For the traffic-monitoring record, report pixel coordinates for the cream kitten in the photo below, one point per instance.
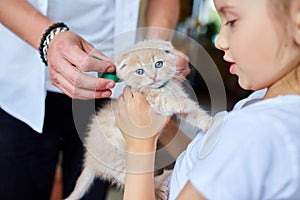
(149, 67)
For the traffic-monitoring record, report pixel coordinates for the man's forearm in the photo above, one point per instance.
(162, 14)
(24, 20)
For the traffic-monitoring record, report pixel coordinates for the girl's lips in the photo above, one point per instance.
(232, 65)
(232, 68)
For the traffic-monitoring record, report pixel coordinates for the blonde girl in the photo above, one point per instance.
(256, 153)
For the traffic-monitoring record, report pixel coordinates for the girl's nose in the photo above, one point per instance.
(221, 42)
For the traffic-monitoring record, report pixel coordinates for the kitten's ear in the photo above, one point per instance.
(171, 54)
(121, 62)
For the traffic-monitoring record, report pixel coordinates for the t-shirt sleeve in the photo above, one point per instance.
(240, 164)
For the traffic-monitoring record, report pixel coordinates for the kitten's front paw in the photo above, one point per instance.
(162, 111)
(162, 193)
(206, 124)
(161, 185)
(178, 105)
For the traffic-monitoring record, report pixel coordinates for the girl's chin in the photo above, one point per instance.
(232, 68)
(247, 86)
(243, 85)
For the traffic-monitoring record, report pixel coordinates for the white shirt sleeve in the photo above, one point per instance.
(249, 158)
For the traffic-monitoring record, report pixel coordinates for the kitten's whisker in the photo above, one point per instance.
(179, 77)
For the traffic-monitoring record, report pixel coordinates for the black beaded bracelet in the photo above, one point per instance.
(49, 34)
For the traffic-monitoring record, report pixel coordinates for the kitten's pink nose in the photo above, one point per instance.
(154, 78)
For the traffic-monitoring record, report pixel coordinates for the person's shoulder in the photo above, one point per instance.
(254, 146)
(247, 127)
(283, 110)
(274, 121)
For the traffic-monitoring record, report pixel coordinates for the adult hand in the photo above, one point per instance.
(136, 119)
(69, 57)
(182, 64)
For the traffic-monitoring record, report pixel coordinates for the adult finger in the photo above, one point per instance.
(84, 62)
(80, 85)
(82, 80)
(182, 63)
(78, 93)
(92, 51)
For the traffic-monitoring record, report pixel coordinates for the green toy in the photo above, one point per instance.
(111, 76)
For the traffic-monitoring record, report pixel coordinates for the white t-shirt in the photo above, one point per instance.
(23, 77)
(250, 153)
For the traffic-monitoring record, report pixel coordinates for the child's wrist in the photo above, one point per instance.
(141, 162)
(141, 145)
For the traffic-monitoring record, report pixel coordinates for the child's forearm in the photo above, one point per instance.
(139, 182)
(139, 186)
(24, 20)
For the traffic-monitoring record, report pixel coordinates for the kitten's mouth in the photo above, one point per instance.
(158, 84)
(153, 84)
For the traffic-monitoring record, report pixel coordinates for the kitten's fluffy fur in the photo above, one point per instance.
(149, 67)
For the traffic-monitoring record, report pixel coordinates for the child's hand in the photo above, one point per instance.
(138, 123)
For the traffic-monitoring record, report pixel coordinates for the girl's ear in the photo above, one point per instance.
(297, 36)
(296, 19)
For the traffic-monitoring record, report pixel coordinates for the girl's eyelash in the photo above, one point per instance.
(230, 23)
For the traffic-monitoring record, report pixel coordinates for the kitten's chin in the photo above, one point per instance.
(157, 85)
(152, 85)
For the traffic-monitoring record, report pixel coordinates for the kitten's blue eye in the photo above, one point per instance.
(139, 71)
(159, 64)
